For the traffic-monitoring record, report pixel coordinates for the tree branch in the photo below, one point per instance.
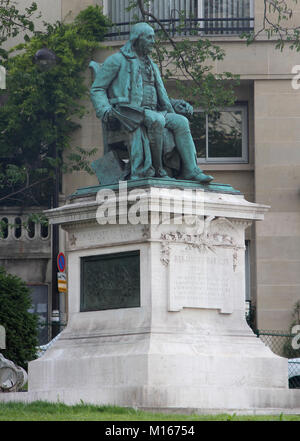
(273, 26)
(25, 188)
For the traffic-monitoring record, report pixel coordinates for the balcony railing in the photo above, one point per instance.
(186, 17)
(190, 27)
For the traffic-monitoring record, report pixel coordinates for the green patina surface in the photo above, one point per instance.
(129, 97)
(157, 182)
(141, 124)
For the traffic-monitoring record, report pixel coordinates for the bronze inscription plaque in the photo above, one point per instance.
(110, 281)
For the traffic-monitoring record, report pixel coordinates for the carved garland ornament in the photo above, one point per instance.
(205, 238)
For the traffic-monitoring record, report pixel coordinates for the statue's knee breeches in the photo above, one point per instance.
(178, 124)
(154, 121)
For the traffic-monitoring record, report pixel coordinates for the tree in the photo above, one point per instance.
(37, 121)
(20, 325)
(12, 21)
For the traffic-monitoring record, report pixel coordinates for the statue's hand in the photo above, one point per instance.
(108, 116)
(182, 107)
(188, 109)
(110, 120)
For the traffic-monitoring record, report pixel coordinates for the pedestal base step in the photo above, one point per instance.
(209, 401)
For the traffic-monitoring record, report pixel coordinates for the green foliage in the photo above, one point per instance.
(37, 121)
(191, 60)
(277, 24)
(12, 21)
(92, 24)
(20, 325)
(43, 411)
(79, 159)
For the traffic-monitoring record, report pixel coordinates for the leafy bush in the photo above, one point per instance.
(20, 325)
(92, 23)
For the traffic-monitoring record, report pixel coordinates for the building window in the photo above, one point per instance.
(249, 306)
(221, 137)
(39, 298)
(227, 17)
(247, 272)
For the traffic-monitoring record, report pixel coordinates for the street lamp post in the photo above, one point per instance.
(46, 59)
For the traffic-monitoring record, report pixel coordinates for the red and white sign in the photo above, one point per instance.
(61, 262)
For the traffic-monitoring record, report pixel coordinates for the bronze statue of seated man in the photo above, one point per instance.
(128, 88)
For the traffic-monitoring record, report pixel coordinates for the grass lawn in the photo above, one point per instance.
(42, 411)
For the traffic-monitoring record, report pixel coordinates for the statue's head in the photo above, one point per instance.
(142, 38)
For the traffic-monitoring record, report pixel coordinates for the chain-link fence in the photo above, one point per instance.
(286, 345)
(52, 330)
(47, 331)
(282, 343)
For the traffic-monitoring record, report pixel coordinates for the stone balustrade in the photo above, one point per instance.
(20, 236)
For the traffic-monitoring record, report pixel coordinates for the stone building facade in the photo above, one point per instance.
(265, 166)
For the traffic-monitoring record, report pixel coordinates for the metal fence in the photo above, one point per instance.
(284, 343)
(47, 331)
(280, 342)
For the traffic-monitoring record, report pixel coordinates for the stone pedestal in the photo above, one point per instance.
(181, 339)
